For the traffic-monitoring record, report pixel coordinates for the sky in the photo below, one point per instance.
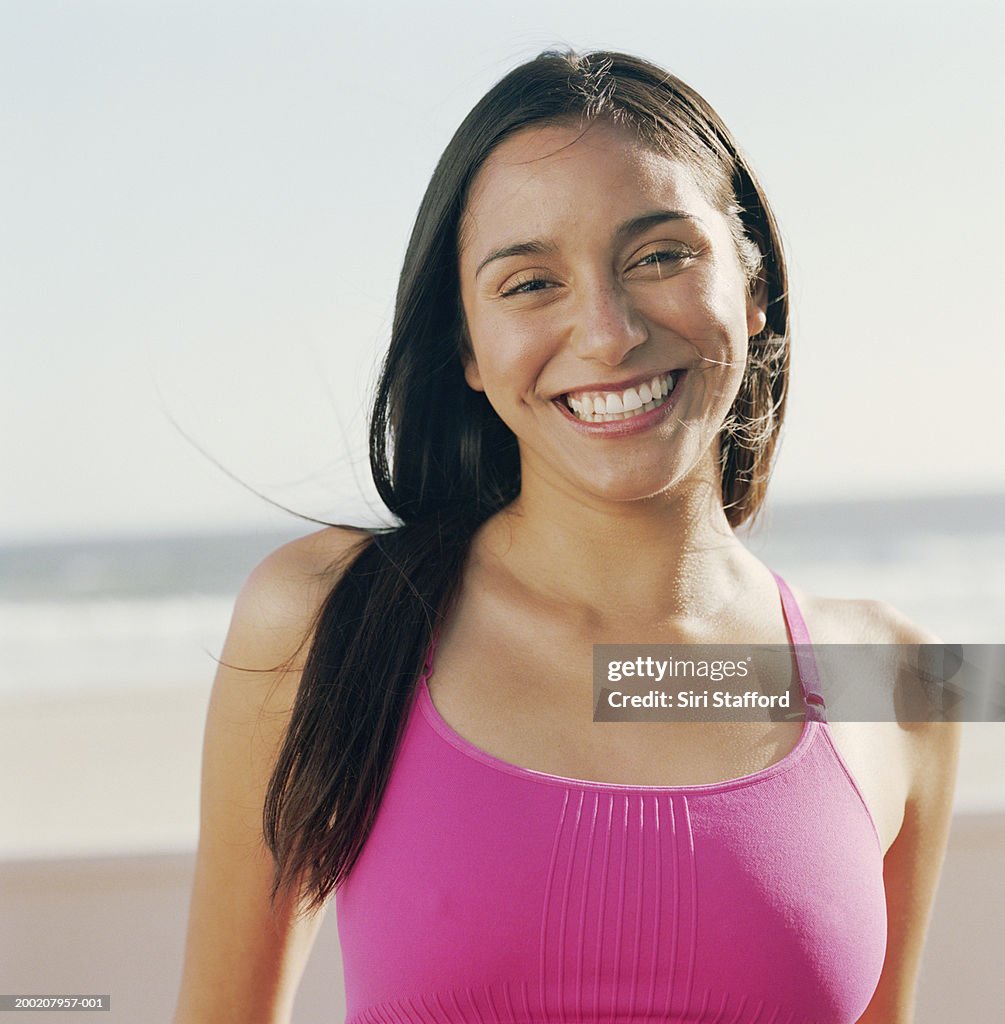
(204, 208)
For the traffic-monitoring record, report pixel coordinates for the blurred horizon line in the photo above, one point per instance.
(928, 510)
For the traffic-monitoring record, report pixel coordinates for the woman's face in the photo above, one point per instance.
(607, 310)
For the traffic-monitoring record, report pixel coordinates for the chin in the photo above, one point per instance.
(622, 489)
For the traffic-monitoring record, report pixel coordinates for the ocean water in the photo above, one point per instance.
(121, 615)
(939, 560)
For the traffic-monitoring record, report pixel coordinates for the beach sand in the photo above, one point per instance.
(98, 774)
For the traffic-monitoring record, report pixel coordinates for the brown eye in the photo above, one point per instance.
(525, 287)
(665, 257)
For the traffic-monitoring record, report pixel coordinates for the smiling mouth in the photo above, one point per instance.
(608, 406)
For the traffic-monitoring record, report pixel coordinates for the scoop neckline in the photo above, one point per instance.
(448, 733)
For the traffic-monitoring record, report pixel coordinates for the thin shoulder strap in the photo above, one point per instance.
(806, 662)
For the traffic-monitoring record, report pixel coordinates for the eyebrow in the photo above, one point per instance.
(628, 229)
(531, 248)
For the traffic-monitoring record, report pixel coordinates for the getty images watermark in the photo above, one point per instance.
(754, 682)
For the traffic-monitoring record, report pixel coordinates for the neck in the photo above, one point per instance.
(669, 558)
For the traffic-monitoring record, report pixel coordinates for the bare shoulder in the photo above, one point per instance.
(283, 593)
(866, 622)
(930, 747)
(834, 620)
(271, 628)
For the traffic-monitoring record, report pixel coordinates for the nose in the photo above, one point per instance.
(608, 325)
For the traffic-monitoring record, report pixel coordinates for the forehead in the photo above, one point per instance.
(551, 177)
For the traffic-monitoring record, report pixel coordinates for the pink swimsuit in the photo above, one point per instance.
(489, 893)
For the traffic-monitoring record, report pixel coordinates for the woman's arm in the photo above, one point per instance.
(244, 958)
(914, 861)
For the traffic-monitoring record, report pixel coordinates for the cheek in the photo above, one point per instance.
(709, 313)
(724, 295)
(508, 356)
(710, 316)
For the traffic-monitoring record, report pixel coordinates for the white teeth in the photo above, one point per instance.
(609, 406)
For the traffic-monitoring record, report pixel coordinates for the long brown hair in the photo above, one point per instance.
(444, 462)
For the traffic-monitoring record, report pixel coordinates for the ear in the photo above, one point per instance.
(468, 361)
(471, 372)
(757, 306)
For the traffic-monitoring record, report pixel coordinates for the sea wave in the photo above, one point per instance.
(110, 644)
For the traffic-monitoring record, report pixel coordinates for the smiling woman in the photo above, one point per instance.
(603, 301)
(581, 400)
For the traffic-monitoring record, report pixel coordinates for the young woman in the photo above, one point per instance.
(581, 401)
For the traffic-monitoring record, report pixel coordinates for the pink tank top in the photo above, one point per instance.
(492, 893)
